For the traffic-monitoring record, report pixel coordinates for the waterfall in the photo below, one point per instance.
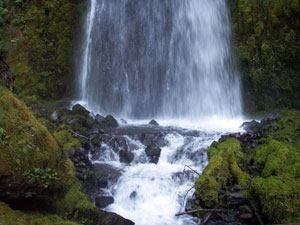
(158, 59)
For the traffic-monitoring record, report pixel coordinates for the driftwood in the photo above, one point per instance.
(256, 214)
(192, 170)
(201, 210)
(206, 218)
(79, 135)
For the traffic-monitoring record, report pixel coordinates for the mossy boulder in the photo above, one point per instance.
(32, 161)
(223, 168)
(108, 122)
(80, 110)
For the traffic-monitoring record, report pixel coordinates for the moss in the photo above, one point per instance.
(12, 217)
(108, 122)
(28, 151)
(278, 197)
(223, 168)
(66, 138)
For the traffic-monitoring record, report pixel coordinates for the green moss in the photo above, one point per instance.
(223, 168)
(66, 138)
(13, 217)
(28, 147)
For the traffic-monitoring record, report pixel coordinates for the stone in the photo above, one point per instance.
(6, 76)
(99, 118)
(133, 195)
(80, 110)
(153, 153)
(123, 121)
(103, 201)
(126, 156)
(108, 122)
(154, 123)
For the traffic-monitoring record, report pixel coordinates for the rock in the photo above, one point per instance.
(114, 219)
(153, 153)
(80, 110)
(6, 76)
(133, 195)
(123, 121)
(237, 198)
(104, 201)
(108, 122)
(54, 116)
(95, 141)
(126, 156)
(154, 123)
(99, 118)
(246, 216)
(298, 129)
(250, 127)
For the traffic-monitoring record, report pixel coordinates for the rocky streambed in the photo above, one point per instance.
(150, 172)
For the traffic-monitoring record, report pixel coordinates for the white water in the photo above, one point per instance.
(159, 59)
(169, 60)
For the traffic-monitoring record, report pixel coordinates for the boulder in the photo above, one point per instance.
(154, 123)
(99, 118)
(126, 156)
(153, 153)
(108, 122)
(80, 110)
(103, 201)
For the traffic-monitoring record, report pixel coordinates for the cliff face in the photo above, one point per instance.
(36, 39)
(267, 43)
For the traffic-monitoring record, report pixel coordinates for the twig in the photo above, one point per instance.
(255, 212)
(206, 218)
(192, 170)
(201, 210)
(79, 135)
(187, 193)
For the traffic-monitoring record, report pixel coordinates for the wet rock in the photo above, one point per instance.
(123, 121)
(114, 219)
(153, 153)
(154, 123)
(133, 195)
(251, 127)
(95, 141)
(99, 118)
(108, 122)
(126, 156)
(103, 201)
(80, 110)
(298, 129)
(237, 198)
(54, 116)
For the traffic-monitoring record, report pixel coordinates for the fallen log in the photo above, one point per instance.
(79, 135)
(201, 210)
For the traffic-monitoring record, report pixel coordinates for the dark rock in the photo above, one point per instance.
(123, 121)
(95, 141)
(237, 198)
(133, 195)
(154, 123)
(108, 122)
(153, 153)
(246, 216)
(6, 76)
(99, 118)
(114, 219)
(251, 127)
(298, 129)
(80, 110)
(103, 201)
(126, 156)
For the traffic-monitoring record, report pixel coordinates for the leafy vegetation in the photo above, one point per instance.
(267, 42)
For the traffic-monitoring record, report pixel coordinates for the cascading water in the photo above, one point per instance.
(168, 60)
(159, 59)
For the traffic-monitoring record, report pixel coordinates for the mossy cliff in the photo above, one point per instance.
(267, 42)
(37, 39)
(267, 172)
(37, 175)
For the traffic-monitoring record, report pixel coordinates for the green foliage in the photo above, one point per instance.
(39, 44)
(266, 39)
